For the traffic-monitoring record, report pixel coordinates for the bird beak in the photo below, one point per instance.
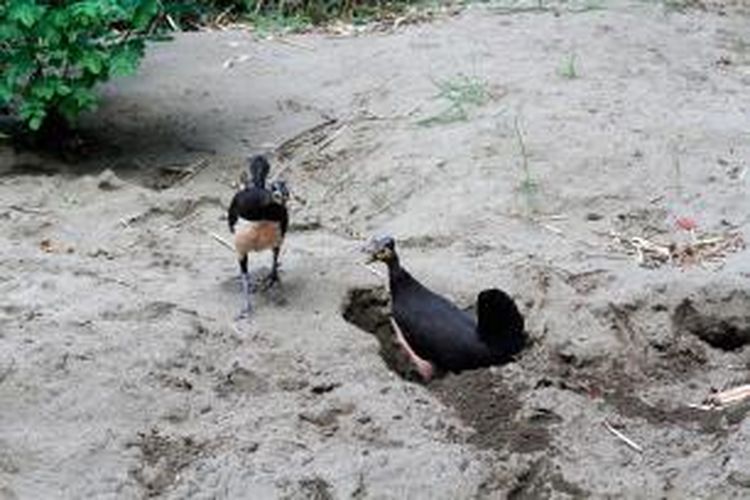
(369, 249)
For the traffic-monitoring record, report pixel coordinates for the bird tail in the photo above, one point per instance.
(500, 323)
(258, 170)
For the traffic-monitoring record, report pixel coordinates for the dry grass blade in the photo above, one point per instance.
(696, 251)
(220, 18)
(293, 43)
(315, 134)
(8, 370)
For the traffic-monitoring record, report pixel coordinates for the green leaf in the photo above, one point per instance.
(53, 52)
(124, 61)
(26, 12)
(43, 89)
(84, 11)
(6, 93)
(145, 12)
(33, 113)
(83, 97)
(92, 61)
(10, 31)
(36, 121)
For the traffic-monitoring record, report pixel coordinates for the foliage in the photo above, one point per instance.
(52, 53)
(274, 14)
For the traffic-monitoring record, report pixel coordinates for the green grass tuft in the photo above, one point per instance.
(529, 186)
(460, 94)
(568, 68)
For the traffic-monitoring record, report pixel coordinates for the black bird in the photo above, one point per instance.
(437, 334)
(259, 219)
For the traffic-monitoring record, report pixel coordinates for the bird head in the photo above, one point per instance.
(380, 249)
(279, 192)
(258, 169)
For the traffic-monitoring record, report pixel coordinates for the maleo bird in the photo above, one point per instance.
(259, 219)
(438, 335)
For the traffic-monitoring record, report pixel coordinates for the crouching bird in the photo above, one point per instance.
(259, 219)
(435, 333)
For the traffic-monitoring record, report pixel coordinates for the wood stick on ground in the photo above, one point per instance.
(28, 210)
(171, 23)
(553, 229)
(622, 437)
(729, 396)
(222, 241)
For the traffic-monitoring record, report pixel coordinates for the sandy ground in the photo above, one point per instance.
(124, 374)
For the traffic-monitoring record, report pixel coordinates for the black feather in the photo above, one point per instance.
(440, 332)
(252, 204)
(500, 323)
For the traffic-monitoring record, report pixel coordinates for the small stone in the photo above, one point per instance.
(108, 181)
(364, 419)
(250, 447)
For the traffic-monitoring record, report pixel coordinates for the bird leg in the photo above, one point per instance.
(424, 367)
(274, 276)
(246, 288)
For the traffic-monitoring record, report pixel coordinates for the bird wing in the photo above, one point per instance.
(436, 329)
(251, 204)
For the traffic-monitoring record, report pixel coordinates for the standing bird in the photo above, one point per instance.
(258, 218)
(437, 334)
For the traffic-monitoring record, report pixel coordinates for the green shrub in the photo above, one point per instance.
(52, 53)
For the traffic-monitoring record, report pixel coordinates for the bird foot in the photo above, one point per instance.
(247, 288)
(271, 280)
(424, 368)
(244, 313)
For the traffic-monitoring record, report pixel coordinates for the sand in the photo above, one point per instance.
(124, 373)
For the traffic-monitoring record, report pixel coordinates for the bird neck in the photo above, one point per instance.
(396, 273)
